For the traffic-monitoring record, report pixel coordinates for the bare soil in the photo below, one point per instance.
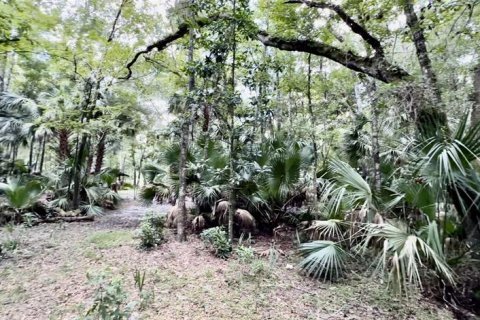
(46, 278)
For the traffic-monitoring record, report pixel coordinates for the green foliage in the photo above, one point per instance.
(9, 245)
(216, 239)
(404, 255)
(345, 190)
(322, 259)
(109, 301)
(245, 254)
(139, 279)
(151, 231)
(21, 194)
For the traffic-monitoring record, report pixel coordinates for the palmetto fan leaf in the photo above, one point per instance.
(346, 189)
(405, 254)
(322, 259)
(12, 105)
(17, 114)
(206, 194)
(21, 195)
(327, 229)
(151, 171)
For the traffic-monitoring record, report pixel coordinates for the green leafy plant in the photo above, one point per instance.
(405, 255)
(245, 254)
(9, 245)
(151, 231)
(110, 301)
(322, 259)
(21, 195)
(216, 239)
(139, 279)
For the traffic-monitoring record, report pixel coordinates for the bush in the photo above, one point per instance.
(245, 254)
(216, 240)
(110, 300)
(151, 231)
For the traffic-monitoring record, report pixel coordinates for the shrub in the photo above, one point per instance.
(245, 254)
(151, 231)
(110, 300)
(216, 240)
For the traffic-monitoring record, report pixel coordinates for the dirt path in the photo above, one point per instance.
(130, 211)
(46, 278)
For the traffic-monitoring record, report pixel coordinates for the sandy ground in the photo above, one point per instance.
(46, 278)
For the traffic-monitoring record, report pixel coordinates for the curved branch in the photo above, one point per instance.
(353, 25)
(376, 67)
(161, 44)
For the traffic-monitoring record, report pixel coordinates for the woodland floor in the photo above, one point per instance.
(46, 278)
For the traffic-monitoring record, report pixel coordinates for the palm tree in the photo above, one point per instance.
(17, 121)
(21, 195)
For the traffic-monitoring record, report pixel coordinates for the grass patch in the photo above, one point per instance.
(111, 239)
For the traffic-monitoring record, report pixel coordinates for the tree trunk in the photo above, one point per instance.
(88, 104)
(188, 116)
(3, 66)
(312, 132)
(30, 154)
(38, 155)
(134, 165)
(377, 179)
(475, 118)
(181, 235)
(78, 172)
(100, 153)
(63, 147)
(422, 53)
(233, 190)
(42, 158)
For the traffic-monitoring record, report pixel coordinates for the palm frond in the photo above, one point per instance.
(322, 259)
(327, 229)
(404, 256)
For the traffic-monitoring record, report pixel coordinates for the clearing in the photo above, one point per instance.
(46, 278)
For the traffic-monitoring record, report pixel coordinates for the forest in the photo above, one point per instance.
(254, 159)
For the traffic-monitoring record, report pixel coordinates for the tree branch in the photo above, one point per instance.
(161, 44)
(119, 12)
(376, 67)
(8, 40)
(354, 26)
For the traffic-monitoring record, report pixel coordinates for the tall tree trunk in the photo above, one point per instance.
(30, 154)
(122, 169)
(134, 165)
(78, 172)
(100, 153)
(475, 118)
(42, 158)
(88, 156)
(63, 146)
(10, 60)
(312, 132)
(182, 191)
(3, 66)
(421, 50)
(233, 188)
(91, 95)
(430, 119)
(372, 91)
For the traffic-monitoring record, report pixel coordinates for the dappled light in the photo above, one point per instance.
(270, 159)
